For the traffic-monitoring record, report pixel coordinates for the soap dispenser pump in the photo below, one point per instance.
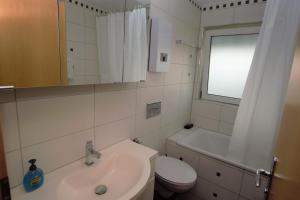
(34, 178)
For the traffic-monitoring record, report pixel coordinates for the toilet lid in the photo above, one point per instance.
(175, 170)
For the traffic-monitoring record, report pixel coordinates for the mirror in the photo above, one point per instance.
(91, 26)
(136, 44)
(105, 44)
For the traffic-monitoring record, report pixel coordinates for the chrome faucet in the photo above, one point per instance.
(90, 152)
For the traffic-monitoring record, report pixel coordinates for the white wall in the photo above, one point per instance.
(235, 14)
(218, 117)
(211, 115)
(53, 124)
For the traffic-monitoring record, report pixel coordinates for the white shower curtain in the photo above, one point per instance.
(110, 40)
(258, 118)
(136, 46)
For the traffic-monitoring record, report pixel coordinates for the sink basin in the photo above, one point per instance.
(123, 168)
(119, 173)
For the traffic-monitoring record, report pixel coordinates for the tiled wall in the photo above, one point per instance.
(211, 115)
(232, 12)
(218, 117)
(81, 44)
(53, 124)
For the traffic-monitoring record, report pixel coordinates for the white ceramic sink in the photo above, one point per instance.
(119, 173)
(124, 168)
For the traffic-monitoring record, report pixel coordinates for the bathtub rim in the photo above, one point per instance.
(184, 133)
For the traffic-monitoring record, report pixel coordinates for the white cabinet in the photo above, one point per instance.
(209, 191)
(223, 175)
(218, 180)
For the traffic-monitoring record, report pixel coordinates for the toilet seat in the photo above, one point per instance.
(175, 171)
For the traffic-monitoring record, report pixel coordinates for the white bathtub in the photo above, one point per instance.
(207, 142)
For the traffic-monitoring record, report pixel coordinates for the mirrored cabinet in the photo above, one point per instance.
(31, 53)
(72, 42)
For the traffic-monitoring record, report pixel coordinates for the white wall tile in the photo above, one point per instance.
(9, 125)
(249, 14)
(77, 65)
(74, 13)
(182, 10)
(75, 32)
(225, 128)
(112, 106)
(178, 53)
(153, 79)
(90, 36)
(170, 106)
(171, 128)
(91, 67)
(59, 152)
(79, 50)
(205, 123)
(91, 52)
(89, 18)
(148, 95)
(174, 75)
(185, 101)
(42, 119)
(217, 17)
(114, 132)
(207, 109)
(187, 75)
(190, 56)
(14, 167)
(228, 113)
(153, 140)
(146, 126)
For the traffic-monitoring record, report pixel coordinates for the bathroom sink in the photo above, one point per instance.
(119, 173)
(123, 168)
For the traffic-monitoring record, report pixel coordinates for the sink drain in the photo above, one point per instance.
(100, 189)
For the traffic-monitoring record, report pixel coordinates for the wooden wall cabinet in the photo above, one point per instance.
(32, 45)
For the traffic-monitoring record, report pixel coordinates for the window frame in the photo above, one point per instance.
(206, 60)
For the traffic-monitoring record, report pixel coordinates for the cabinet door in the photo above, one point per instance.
(29, 38)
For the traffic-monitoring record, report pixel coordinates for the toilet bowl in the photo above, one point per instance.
(173, 176)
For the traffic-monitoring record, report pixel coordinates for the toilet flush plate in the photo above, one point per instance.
(153, 109)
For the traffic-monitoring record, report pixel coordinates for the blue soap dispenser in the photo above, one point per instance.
(34, 178)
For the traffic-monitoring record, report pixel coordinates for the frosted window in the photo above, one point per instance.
(230, 61)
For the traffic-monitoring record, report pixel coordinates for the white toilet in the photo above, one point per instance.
(173, 176)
